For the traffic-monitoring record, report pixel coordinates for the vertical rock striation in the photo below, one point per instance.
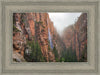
(76, 36)
(31, 25)
(39, 27)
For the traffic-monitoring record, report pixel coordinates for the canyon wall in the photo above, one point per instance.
(76, 36)
(29, 25)
(39, 27)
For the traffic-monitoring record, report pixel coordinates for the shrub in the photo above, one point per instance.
(15, 29)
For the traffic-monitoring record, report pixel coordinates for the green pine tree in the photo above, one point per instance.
(56, 53)
(36, 54)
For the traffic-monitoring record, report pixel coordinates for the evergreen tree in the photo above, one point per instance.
(36, 54)
(55, 53)
(68, 55)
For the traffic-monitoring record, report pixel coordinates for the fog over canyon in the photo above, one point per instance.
(62, 20)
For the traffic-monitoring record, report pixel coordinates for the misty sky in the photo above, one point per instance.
(62, 20)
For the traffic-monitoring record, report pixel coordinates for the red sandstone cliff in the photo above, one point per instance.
(76, 36)
(29, 25)
(32, 25)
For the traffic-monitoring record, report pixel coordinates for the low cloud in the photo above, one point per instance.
(62, 20)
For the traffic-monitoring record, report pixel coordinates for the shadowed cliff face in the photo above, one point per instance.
(38, 27)
(76, 36)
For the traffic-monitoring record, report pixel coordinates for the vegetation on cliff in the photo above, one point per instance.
(15, 29)
(35, 54)
(47, 45)
(68, 55)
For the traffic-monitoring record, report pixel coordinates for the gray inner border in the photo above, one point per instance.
(31, 3)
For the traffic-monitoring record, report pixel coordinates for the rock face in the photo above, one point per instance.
(17, 57)
(29, 25)
(39, 27)
(19, 39)
(76, 36)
